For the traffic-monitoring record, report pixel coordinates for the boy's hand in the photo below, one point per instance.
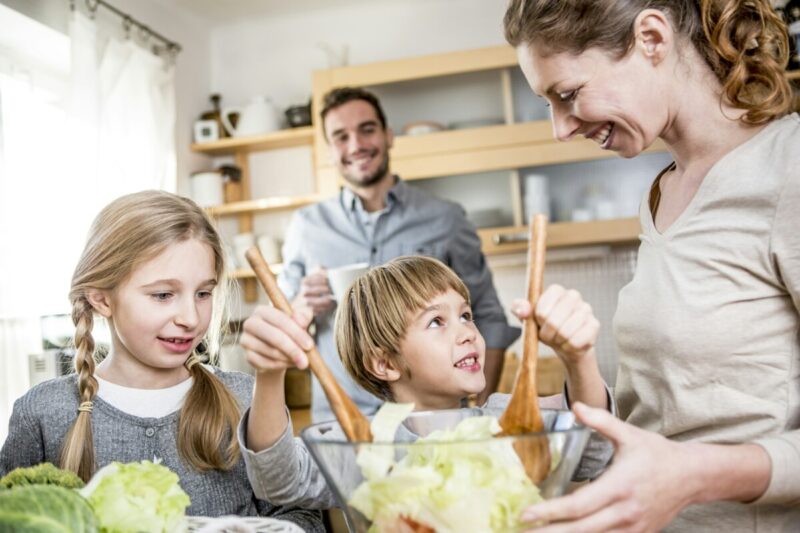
(566, 322)
(272, 340)
(315, 293)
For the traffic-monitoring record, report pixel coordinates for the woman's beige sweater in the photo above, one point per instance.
(708, 329)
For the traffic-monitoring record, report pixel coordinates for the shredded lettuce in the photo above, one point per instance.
(134, 497)
(471, 482)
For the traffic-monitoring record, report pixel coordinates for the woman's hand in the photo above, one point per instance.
(566, 322)
(273, 340)
(649, 482)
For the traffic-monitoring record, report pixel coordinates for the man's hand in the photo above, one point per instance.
(315, 294)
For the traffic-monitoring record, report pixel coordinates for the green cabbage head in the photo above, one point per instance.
(133, 497)
(41, 474)
(45, 509)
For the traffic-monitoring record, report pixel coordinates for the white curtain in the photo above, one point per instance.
(65, 151)
(18, 338)
(124, 101)
(35, 214)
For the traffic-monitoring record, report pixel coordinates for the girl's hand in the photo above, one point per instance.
(272, 340)
(566, 322)
(647, 485)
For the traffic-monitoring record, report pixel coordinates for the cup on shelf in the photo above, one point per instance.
(605, 209)
(207, 188)
(241, 243)
(232, 358)
(581, 214)
(342, 277)
(231, 262)
(537, 196)
(270, 248)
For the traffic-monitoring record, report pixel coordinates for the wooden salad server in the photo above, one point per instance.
(522, 414)
(354, 424)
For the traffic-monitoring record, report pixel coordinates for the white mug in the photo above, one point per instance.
(207, 188)
(270, 248)
(241, 243)
(340, 279)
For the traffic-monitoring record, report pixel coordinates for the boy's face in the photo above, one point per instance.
(444, 353)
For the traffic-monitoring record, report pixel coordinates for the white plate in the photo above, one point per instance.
(239, 524)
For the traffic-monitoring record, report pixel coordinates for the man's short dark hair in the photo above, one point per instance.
(341, 95)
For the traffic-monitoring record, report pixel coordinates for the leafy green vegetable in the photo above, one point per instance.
(137, 497)
(41, 474)
(469, 481)
(45, 509)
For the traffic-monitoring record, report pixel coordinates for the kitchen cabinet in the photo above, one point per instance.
(512, 145)
(244, 208)
(509, 146)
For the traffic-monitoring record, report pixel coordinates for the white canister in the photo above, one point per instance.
(207, 188)
(537, 195)
(270, 248)
(241, 243)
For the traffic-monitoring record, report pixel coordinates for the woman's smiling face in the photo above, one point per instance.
(619, 104)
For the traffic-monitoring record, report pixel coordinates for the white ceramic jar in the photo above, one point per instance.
(207, 188)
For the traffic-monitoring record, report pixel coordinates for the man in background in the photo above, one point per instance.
(374, 218)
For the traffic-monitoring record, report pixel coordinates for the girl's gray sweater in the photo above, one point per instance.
(42, 417)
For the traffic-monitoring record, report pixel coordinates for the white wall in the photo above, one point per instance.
(275, 56)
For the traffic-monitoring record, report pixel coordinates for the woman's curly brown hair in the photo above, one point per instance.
(744, 42)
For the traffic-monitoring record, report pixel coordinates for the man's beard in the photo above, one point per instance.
(370, 179)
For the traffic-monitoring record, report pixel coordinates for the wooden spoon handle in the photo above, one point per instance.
(354, 424)
(537, 249)
(522, 414)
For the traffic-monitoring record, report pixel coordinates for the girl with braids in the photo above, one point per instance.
(153, 268)
(709, 373)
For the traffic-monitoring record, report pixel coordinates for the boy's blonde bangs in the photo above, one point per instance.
(374, 314)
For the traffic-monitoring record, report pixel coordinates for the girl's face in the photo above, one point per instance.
(161, 312)
(444, 353)
(619, 104)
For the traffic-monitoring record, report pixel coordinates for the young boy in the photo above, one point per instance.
(405, 333)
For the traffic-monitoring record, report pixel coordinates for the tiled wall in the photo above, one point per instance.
(597, 272)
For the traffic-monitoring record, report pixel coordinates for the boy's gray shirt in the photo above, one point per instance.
(286, 474)
(41, 418)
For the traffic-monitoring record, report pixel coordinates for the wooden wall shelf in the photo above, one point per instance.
(273, 203)
(793, 75)
(429, 66)
(246, 273)
(269, 141)
(486, 149)
(241, 148)
(495, 241)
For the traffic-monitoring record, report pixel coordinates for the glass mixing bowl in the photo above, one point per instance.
(345, 471)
